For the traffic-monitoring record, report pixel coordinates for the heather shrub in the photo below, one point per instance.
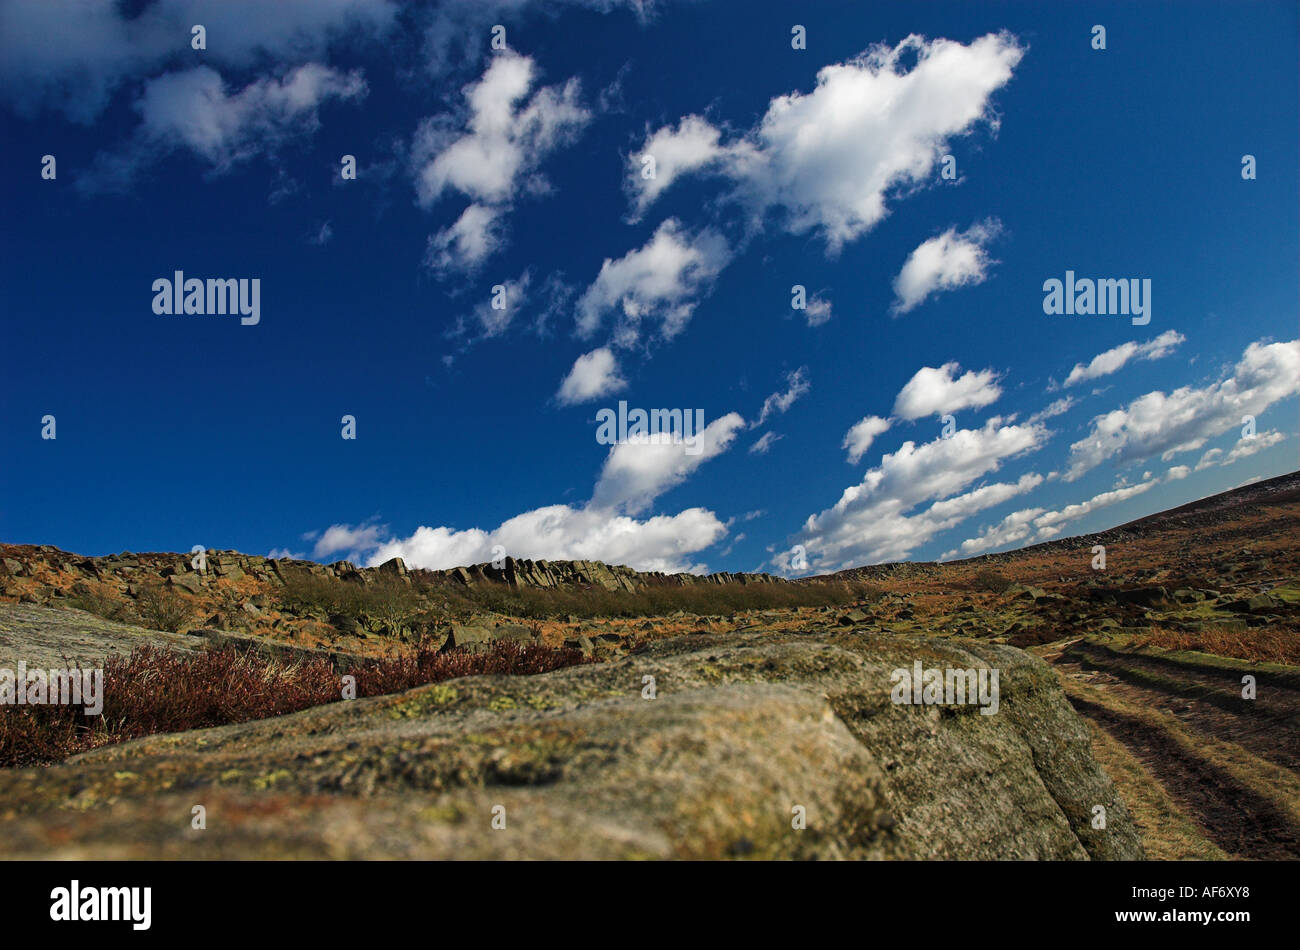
(987, 579)
(96, 597)
(155, 691)
(385, 604)
(160, 609)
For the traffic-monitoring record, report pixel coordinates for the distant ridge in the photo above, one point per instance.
(1224, 506)
(175, 569)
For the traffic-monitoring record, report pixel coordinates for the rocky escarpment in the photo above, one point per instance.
(744, 745)
(36, 573)
(338, 607)
(553, 574)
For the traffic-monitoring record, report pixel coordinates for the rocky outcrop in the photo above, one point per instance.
(59, 571)
(764, 746)
(555, 574)
(52, 639)
(479, 638)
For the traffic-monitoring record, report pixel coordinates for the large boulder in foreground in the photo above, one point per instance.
(743, 731)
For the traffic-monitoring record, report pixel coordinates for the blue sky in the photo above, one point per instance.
(524, 169)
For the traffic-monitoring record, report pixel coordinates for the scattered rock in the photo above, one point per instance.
(478, 639)
(343, 623)
(1025, 592)
(189, 583)
(1255, 604)
(394, 566)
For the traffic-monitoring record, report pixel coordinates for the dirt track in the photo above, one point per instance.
(1228, 764)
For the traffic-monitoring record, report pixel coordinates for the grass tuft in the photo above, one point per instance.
(1255, 644)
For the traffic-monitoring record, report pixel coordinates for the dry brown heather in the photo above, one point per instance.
(155, 690)
(1152, 650)
(1257, 644)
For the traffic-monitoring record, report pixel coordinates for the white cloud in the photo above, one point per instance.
(1103, 364)
(1248, 447)
(505, 137)
(638, 471)
(1177, 473)
(859, 438)
(194, 111)
(79, 71)
(1049, 524)
(477, 234)
(593, 375)
(828, 159)
(559, 532)
(1243, 449)
(1185, 419)
(732, 545)
(1058, 407)
(495, 157)
(960, 507)
(502, 309)
(660, 281)
(765, 443)
(692, 145)
(606, 529)
(341, 537)
(797, 385)
(1014, 527)
(1209, 459)
(872, 522)
(950, 260)
(817, 312)
(934, 391)
(1042, 524)
(495, 314)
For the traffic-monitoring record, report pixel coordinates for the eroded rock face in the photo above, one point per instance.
(47, 638)
(179, 573)
(743, 731)
(553, 574)
(479, 639)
